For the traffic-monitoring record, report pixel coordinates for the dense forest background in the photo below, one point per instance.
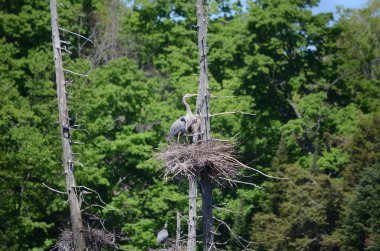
(312, 81)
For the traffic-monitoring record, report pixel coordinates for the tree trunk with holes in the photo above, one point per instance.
(75, 213)
(192, 224)
(203, 108)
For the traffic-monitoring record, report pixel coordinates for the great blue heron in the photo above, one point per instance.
(163, 235)
(188, 123)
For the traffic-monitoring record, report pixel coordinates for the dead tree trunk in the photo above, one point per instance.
(203, 109)
(191, 239)
(207, 217)
(75, 213)
(203, 89)
(178, 232)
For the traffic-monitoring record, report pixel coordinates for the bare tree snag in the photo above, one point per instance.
(203, 109)
(192, 224)
(207, 217)
(178, 232)
(203, 90)
(68, 163)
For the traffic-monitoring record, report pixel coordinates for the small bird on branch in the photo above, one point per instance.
(185, 124)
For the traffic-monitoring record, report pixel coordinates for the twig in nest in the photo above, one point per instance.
(254, 169)
(242, 182)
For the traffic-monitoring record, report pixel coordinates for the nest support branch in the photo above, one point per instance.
(214, 157)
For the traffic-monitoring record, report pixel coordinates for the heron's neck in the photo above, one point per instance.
(188, 109)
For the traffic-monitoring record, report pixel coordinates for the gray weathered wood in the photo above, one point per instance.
(178, 232)
(203, 89)
(192, 224)
(203, 108)
(75, 213)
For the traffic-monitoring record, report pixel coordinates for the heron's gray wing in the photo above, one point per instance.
(162, 236)
(178, 126)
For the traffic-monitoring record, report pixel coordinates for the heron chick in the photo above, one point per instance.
(188, 123)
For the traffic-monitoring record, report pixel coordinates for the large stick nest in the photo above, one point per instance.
(214, 157)
(96, 240)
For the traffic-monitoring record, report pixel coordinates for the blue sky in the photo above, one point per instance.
(329, 5)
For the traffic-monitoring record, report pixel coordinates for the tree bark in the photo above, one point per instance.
(207, 218)
(203, 108)
(75, 213)
(191, 241)
(178, 232)
(203, 89)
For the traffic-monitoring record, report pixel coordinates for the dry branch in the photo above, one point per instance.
(237, 112)
(220, 97)
(75, 73)
(74, 33)
(237, 237)
(54, 190)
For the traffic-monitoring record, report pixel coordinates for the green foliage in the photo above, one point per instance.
(299, 213)
(333, 160)
(364, 147)
(29, 151)
(312, 83)
(361, 223)
(359, 49)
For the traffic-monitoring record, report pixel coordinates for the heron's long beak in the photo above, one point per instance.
(191, 95)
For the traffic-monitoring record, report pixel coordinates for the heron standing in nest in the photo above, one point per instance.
(188, 123)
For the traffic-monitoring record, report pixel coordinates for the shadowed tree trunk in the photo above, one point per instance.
(75, 213)
(207, 217)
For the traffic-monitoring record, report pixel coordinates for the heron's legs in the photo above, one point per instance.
(199, 133)
(187, 141)
(179, 134)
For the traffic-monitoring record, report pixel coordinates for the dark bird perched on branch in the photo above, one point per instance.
(163, 235)
(188, 123)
